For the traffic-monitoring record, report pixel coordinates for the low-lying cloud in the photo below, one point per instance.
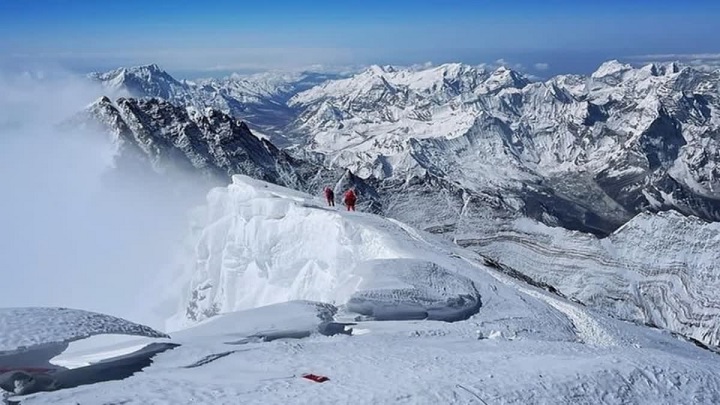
(69, 238)
(703, 61)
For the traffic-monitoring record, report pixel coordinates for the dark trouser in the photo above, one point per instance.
(350, 206)
(331, 202)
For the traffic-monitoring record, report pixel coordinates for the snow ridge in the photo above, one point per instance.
(248, 254)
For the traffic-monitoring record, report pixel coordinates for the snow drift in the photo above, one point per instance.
(258, 244)
(28, 327)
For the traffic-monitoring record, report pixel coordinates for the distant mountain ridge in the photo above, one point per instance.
(259, 99)
(585, 153)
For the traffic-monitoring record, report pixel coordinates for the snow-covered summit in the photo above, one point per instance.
(260, 99)
(142, 81)
(612, 67)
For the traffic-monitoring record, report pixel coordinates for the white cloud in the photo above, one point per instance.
(205, 59)
(676, 56)
(68, 238)
(542, 66)
(702, 61)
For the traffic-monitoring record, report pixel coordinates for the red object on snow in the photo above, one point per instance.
(316, 378)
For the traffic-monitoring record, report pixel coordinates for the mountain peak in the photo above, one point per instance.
(504, 77)
(376, 70)
(140, 81)
(611, 67)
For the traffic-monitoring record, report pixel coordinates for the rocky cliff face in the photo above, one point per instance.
(152, 135)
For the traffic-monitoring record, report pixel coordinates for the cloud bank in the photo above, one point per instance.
(69, 237)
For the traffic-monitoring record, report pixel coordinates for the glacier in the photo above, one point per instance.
(511, 343)
(657, 269)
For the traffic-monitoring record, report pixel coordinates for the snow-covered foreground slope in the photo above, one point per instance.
(52, 348)
(524, 357)
(376, 287)
(661, 269)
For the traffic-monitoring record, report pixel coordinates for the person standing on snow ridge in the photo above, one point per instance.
(330, 196)
(350, 198)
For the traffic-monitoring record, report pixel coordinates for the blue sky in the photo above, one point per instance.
(220, 36)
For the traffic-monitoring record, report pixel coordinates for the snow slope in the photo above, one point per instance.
(52, 348)
(520, 345)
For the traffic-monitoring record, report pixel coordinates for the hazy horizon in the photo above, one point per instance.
(193, 40)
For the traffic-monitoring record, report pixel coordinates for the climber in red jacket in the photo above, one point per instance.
(330, 196)
(350, 198)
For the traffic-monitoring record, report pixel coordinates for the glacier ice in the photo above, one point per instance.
(657, 269)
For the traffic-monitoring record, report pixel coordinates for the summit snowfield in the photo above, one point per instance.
(278, 285)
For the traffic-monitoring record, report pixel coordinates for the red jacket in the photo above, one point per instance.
(329, 194)
(350, 197)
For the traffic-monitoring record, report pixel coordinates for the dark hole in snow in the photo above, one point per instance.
(118, 368)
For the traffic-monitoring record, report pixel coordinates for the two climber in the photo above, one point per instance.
(349, 198)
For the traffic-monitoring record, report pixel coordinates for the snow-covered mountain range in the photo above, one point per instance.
(472, 154)
(586, 153)
(261, 100)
